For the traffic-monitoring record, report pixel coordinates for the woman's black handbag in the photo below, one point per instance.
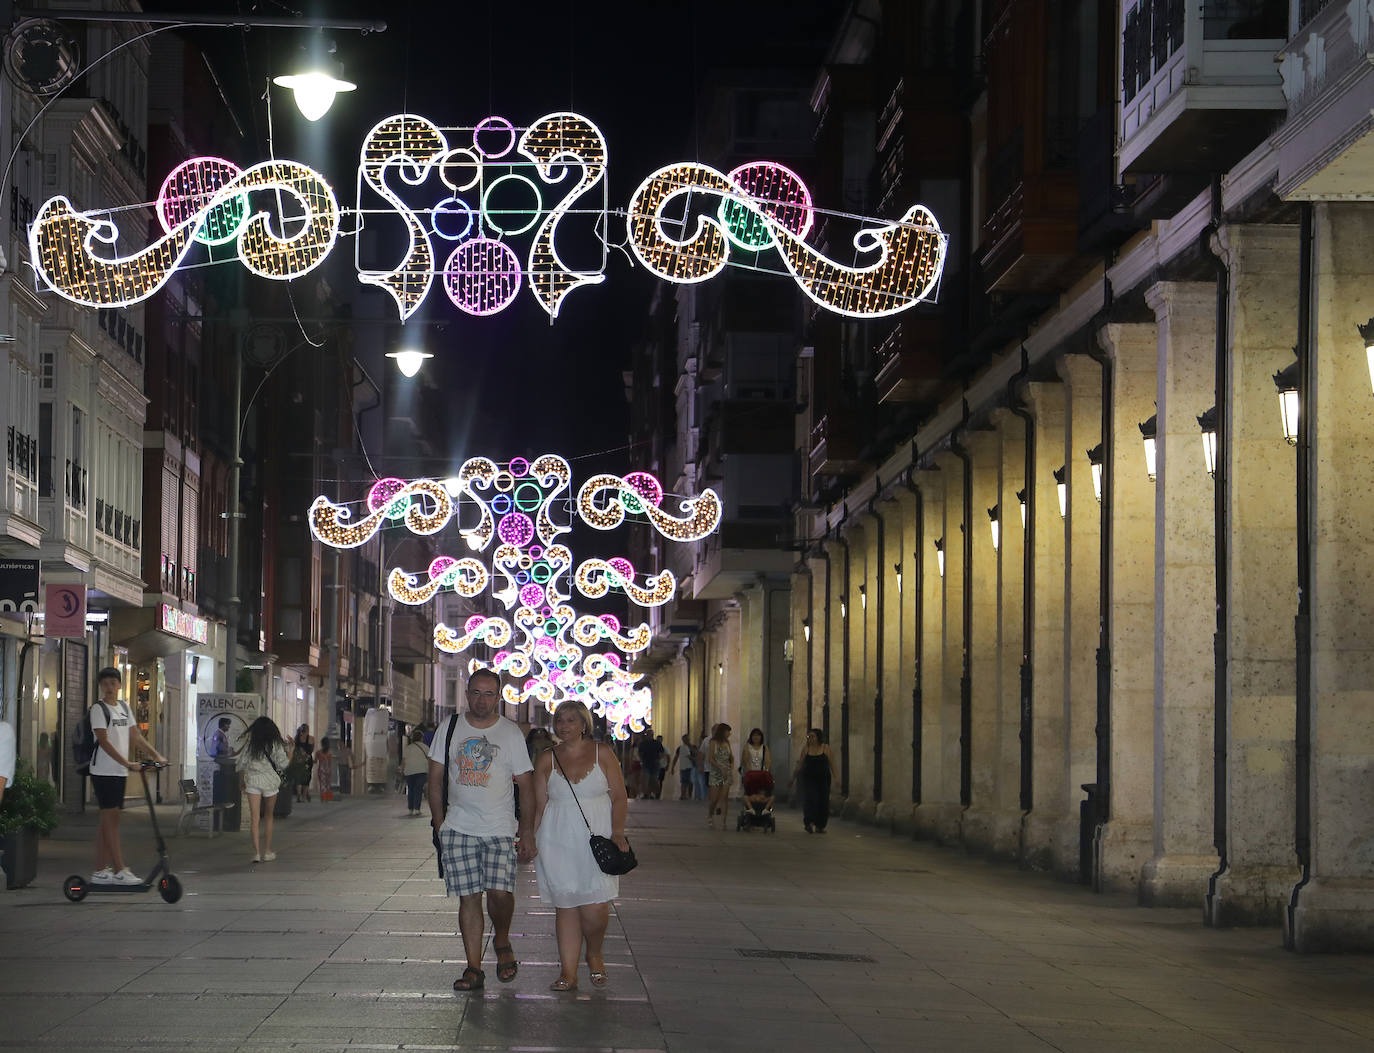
(608, 855)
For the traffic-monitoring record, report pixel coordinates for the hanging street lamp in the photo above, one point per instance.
(1021, 500)
(995, 520)
(1095, 460)
(1148, 430)
(940, 555)
(1061, 484)
(1208, 423)
(1286, 380)
(1367, 335)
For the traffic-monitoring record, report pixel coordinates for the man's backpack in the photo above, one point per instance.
(84, 742)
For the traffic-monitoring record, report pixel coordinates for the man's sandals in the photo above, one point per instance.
(471, 980)
(506, 971)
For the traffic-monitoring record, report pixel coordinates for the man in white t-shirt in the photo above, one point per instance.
(487, 761)
(115, 730)
(6, 757)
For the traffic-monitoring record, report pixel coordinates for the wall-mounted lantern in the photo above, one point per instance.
(897, 567)
(1208, 423)
(1148, 430)
(995, 516)
(1061, 485)
(1367, 335)
(1095, 460)
(1286, 380)
(863, 597)
(940, 555)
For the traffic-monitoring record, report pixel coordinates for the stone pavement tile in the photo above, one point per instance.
(302, 919)
(966, 1037)
(32, 1015)
(264, 976)
(379, 977)
(1077, 1039)
(1265, 1042)
(324, 1011)
(266, 945)
(731, 1036)
(77, 976)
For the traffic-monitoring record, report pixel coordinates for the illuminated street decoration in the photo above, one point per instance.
(506, 204)
(388, 499)
(604, 499)
(64, 243)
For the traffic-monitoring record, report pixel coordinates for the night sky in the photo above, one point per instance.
(516, 383)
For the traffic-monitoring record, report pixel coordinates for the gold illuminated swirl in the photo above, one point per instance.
(595, 577)
(559, 558)
(703, 513)
(63, 243)
(505, 561)
(469, 578)
(589, 630)
(411, 145)
(550, 471)
(551, 142)
(330, 523)
(910, 252)
(494, 632)
(478, 473)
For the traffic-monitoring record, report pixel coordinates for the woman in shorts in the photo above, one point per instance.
(261, 764)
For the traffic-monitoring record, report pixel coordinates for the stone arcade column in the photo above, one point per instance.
(949, 814)
(1185, 615)
(832, 667)
(1335, 910)
(1261, 867)
(937, 810)
(1082, 573)
(864, 613)
(1125, 842)
(852, 754)
(1010, 557)
(986, 450)
(895, 674)
(1042, 846)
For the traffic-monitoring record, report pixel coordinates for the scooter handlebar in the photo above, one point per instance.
(152, 765)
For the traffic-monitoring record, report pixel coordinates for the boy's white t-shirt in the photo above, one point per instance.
(121, 718)
(481, 790)
(6, 753)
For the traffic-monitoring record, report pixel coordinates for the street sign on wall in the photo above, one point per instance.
(64, 611)
(19, 585)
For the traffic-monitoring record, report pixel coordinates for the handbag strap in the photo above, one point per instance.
(570, 785)
(448, 747)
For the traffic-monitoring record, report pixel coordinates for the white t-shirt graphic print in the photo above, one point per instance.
(483, 764)
(118, 732)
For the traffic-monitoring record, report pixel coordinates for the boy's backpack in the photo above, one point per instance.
(84, 742)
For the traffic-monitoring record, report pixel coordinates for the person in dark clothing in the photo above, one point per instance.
(816, 770)
(650, 749)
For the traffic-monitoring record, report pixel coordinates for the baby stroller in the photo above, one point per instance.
(756, 809)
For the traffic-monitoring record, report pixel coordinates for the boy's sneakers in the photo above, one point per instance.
(267, 857)
(103, 876)
(127, 877)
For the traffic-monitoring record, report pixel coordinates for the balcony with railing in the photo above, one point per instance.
(1324, 147)
(910, 358)
(1200, 88)
(835, 444)
(117, 539)
(19, 507)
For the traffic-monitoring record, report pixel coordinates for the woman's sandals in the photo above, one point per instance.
(506, 971)
(563, 985)
(599, 979)
(471, 980)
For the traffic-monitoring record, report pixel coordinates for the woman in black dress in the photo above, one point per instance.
(816, 770)
(302, 761)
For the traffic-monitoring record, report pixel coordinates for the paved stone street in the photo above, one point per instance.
(720, 942)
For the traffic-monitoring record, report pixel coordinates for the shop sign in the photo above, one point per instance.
(64, 611)
(187, 626)
(19, 585)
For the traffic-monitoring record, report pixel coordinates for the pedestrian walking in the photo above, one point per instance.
(479, 758)
(417, 771)
(685, 764)
(324, 769)
(578, 777)
(302, 761)
(262, 763)
(703, 766)
(816, 772)
(116, 734)
(721, 760)
(648, 750)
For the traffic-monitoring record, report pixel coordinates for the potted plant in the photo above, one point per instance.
(28, 810)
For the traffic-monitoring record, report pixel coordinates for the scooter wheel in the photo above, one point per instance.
(74, 888)
(169, 888)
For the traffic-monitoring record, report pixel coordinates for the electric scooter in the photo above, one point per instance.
(76, 888)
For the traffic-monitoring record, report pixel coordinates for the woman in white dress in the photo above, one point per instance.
(568, 875)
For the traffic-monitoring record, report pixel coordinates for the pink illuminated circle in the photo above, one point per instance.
(482, 276)
(623, 567)
(611, 622)
(646, 486)
(383, 490)
(532, 595)
(775, 190)
(614, 659)
(536, 551)
(474, 623)
(493, 124)
(515, 529)
(440, 564)
(190, 186)
(519, 467)
(499, 657)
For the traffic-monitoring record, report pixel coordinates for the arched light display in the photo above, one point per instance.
(503, 199)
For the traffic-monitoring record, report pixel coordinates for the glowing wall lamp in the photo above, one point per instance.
(1367, 335)
(1095, 460)
(844, 608)
(806, 629)
(720, 669)
(1021, 500)
(1148, 430)
(863, 596)
(409, 361)
(1061, 484)
(940, 555)
(1208, 423)
(1286, 380)
(897, 567)
(995, 518)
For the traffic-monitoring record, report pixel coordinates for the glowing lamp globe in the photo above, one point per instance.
(409, 361)
(314, 91)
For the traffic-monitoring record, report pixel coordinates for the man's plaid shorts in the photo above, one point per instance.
(477, 864)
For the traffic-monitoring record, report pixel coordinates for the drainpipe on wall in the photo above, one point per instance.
(844, 662)
(1103, 786)
(918, 629)
(687, 658)
(1021, 408)
(966, 673)
(878, 648)
(1302, 623)
(1220, 519)
(808, 628)
(825, 671)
